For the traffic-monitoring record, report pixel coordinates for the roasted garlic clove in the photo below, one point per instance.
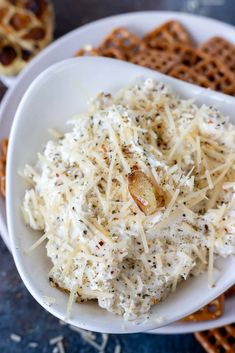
(143, 192)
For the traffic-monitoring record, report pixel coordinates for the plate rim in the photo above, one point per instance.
(52, 48)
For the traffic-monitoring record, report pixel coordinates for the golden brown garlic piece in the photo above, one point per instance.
(144, 192)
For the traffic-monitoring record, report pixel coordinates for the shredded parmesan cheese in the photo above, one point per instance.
(55, 340)
(209, 180)
(198, 146)
(143, 237)
(211, 258)
(15, 338)
(72, 298)
(171, 203)
(37, 243)
(170, 117)
(60, 347)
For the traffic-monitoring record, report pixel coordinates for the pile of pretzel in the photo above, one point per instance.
(170, 50)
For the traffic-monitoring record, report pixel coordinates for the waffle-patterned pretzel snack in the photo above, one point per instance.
(209, 73)
(114, 53)
(26, 26)
(170, 50)
(218, 76)
(3, 159)
(187, 74)
(230, 292)
(156, 60)
(199, 66)
(119, 44)
(219, 340)
(122, 43)
(88, 51)
(171, 31)
(188, 55)
(221, 49)
(211, 311)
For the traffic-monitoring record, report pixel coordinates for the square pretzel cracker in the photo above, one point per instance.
(188, 55)
(121, 43)
(219, 340)
(187, 74)
(220, 78)
(4, 145)
(88, 51)
(222, 49)
(209, 73)
(156, 60)
(114, 53)
(230, 292)
(211, 311)
(171, 31)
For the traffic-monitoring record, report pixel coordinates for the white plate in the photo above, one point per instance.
(93, 33)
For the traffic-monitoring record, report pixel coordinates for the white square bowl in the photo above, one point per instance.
(57, 94)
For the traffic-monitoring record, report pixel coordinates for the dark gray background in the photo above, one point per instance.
(19, 313)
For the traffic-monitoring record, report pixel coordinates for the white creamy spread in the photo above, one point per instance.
(101, 245)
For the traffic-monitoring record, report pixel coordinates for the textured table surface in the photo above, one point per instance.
(19, 312)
